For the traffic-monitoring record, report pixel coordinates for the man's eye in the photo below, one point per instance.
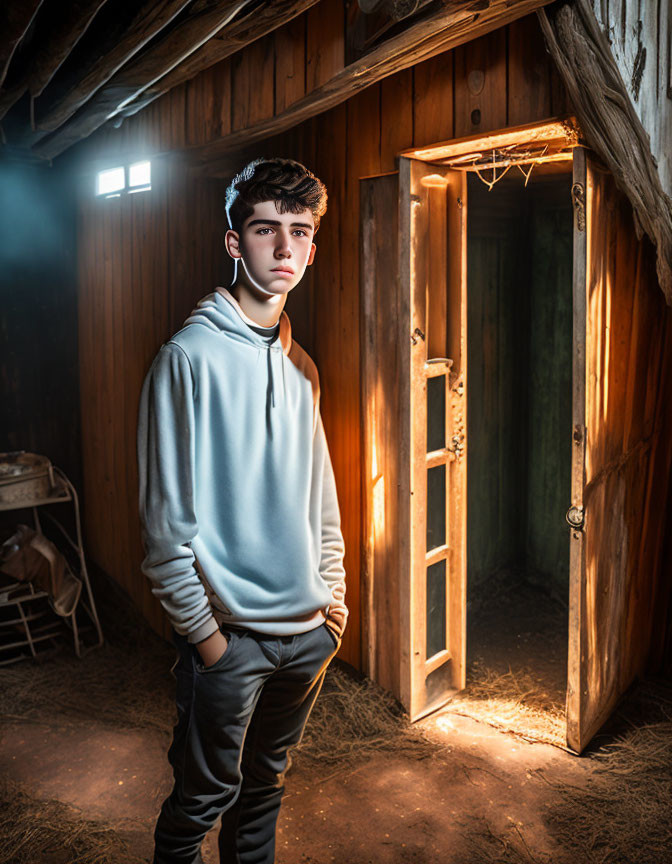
(261, 230)
(301, 232)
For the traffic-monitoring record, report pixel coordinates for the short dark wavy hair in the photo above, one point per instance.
(282, 180)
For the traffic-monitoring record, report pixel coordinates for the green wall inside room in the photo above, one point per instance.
(519, 366)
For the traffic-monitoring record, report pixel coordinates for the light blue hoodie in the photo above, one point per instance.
(238, 503)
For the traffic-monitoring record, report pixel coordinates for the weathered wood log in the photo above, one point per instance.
(15, 19)
(169, 63)
(396, 9)
(640, 43)
(110, 43)
(609, 121)
(456, 23)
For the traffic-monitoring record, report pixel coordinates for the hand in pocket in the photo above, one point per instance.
(336, 619)
(213, 648)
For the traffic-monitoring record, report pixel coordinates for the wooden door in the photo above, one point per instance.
(381, 450)
(617, 450)
(432, 431)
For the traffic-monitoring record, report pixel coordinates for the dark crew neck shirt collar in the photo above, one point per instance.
(269, 333)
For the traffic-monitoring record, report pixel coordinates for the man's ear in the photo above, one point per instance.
(313, 248)
(232, 243)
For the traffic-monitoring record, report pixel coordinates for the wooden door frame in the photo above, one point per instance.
(559, 138)
(577, 563)
(559, 135)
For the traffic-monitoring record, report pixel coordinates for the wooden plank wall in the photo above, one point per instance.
(379, 578)
(520, 364)
(143, 259)
(628, 452)
(130, 261)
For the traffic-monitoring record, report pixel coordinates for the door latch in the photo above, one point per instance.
(574, 517)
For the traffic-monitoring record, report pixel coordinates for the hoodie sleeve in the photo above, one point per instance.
(333, 546)
(166, 493)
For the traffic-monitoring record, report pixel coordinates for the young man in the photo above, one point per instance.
(241, 526)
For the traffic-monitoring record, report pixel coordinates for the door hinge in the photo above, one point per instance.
(414, 337)
(579, 202)
(456, 445)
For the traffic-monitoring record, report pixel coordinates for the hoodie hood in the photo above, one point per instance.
(221, 312)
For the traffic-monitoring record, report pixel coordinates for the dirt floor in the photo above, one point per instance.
(407, 810)
(520, 625)
(83, 772)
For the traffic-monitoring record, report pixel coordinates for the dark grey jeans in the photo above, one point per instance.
(237, 720)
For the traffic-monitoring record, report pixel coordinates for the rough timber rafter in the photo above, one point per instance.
(15, 19)
(56, 33)
(456, 23)
(170, 62)
(236, 36)
(61, 99)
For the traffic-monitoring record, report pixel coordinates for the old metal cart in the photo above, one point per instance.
(31, 481)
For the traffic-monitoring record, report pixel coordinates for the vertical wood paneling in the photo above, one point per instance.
(480, 84)
(325, 42)
(333, 337)
(380, 574)
(178, 116)
(252, 83)
(362, 157)
(290, 63)
(139, 275)
(396, 117)
(617, 592)
(433, 100)
(529, 64)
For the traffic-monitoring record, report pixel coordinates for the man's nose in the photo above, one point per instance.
(282, 245)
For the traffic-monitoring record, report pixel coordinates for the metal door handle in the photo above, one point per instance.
(574, 517)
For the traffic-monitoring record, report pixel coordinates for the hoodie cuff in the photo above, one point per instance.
(206, 629)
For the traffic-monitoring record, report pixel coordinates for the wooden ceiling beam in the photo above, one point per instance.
(111, 48)
(9, 96)
(458, 22)
(248, 29)
(16, 16)
(145, 78)
(58, 29)
(205, 18)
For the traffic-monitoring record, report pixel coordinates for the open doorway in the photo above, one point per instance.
(511, 349)
(519, 404)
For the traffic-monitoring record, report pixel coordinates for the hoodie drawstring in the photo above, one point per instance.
(220, 311)
(284, 387)
(270, 375)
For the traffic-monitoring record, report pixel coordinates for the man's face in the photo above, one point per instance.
(273, 248)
